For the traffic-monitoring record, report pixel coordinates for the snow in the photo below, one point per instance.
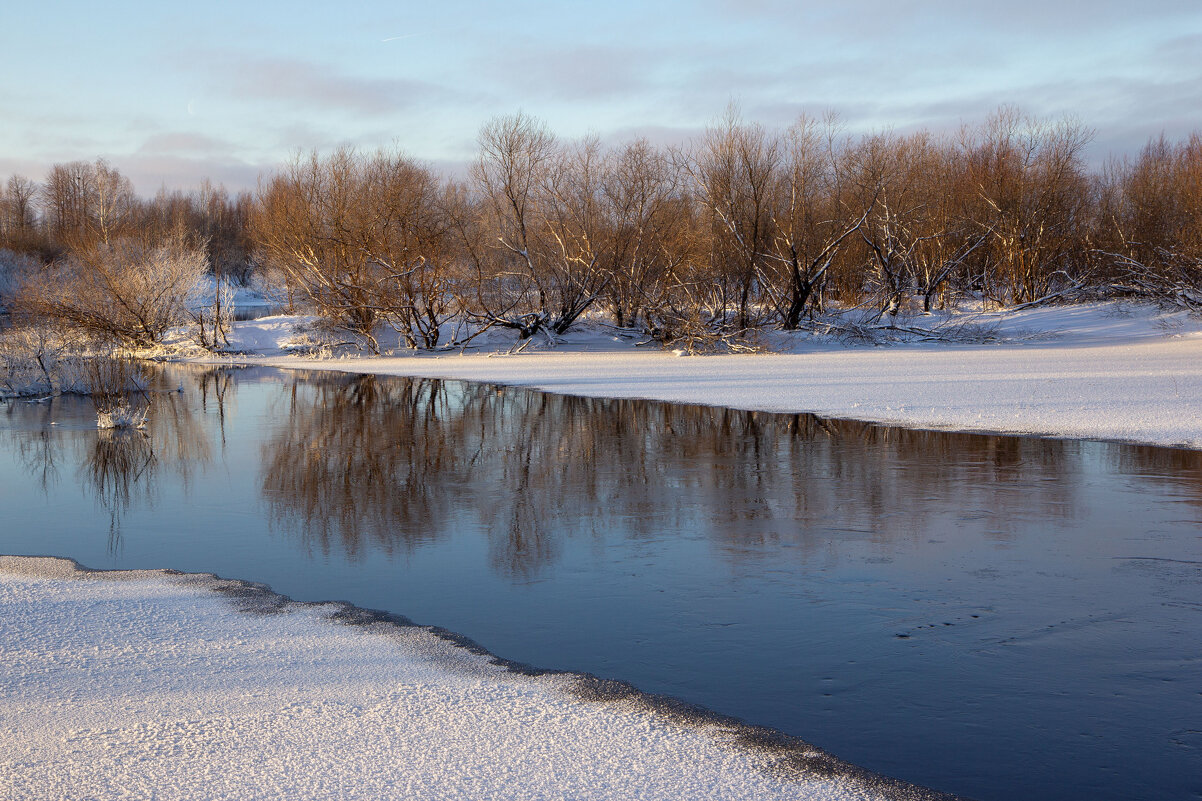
(155, 685)
(1102, 370)
(271, 334)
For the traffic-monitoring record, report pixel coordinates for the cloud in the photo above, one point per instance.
(29, 168)
(586, 72)
(318, 87)
(149, 172)
(179, 143)
(887, 20)
(662, 136)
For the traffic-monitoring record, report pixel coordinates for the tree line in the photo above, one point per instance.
(742, 229)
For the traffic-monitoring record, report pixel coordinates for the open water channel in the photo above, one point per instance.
(999, 617)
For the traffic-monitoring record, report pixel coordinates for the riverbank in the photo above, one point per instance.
(154, 684)
(1095, 371)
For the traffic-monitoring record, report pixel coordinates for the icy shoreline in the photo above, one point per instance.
(1093, 371)
(169, 685)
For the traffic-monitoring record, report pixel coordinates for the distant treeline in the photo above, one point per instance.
(744, 228)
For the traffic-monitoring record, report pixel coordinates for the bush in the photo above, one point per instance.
(14, 268)
(39, 360)
(126, 292)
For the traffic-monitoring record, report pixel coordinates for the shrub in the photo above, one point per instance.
(128, 292)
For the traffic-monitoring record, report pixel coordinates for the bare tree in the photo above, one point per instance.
(413, 245)
(1034, 196)
(575, 236)
(887, 171)
(18, 214)
(362, 238)
(747, 226)
(64, 200)
(642, 200)
(537, 234)
(515, 154)
(809, 222)
(1150, 226)
(950, 236)
(87, 203)
(111, 205)
(734, 170)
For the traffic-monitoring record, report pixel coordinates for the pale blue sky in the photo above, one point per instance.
(171, 92)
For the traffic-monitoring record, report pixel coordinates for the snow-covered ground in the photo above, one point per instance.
(1101, 370)
(154, 685)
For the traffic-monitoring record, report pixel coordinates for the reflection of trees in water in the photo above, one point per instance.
(399, 462)
(355, 463)
(37, 440)
(1183, 468)
(362, 460)
(217, 393)
(176, 426)
(122, 466)
(765, 478)
(118, 467)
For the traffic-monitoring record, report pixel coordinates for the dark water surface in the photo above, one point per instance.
(256, 311)
(995, 616)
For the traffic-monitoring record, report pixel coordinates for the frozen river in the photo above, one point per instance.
(993, 616)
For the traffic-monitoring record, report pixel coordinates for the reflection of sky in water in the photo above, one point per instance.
(1001, 617)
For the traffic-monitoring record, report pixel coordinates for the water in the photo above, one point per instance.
(994, 616)
(255, 311)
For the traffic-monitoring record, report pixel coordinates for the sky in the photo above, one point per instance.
(171, 93)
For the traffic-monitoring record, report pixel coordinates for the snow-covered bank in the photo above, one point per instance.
(148, 684)
(1102, 371)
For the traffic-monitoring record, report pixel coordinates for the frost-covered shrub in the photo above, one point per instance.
(14, 268)
(129, 291)
(111, 380)
(40, 360)
(43, 360)
(110, 377)
(121, 416)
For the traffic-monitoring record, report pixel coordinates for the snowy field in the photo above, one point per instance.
(151, 685)
(1103, 370)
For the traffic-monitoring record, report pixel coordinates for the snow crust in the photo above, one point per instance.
(148, 685)
(1100, 370)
